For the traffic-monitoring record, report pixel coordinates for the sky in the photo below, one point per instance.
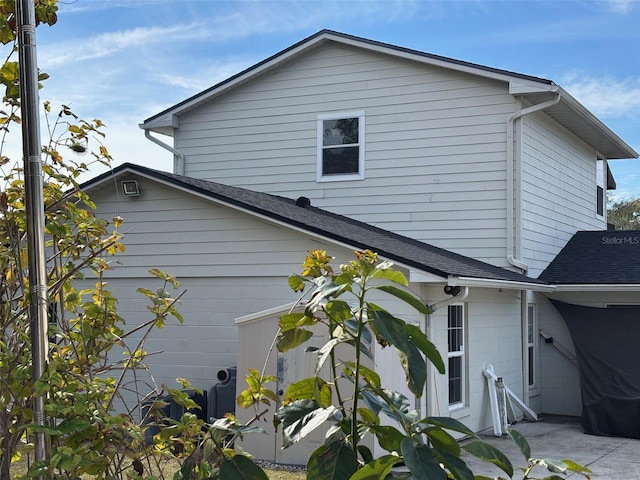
(123, 61)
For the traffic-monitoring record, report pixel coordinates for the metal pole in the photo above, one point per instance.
(34, 206)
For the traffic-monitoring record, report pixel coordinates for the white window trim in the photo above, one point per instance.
(601, 182)
(360, 114)
(463, 354)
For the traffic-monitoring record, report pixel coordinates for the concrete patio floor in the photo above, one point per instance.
(609, 458)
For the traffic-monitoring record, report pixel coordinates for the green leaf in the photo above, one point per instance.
(325, 352)
(384, 271)
(301, 417)
(419, 338)
(449, 424)
(456, 466)
(326, 289)
(306, 389)
(378, 469)
(336, 461)
(575, 467)
(490, 454)
(407, 297)
(522, 443)
(338, 311)
(389, 438)
(240, 467)
(290, 321)
(551, 465)
(370, 376)
(421, 461)
(393, 331)
(292, 338)
(442, 441)
(296, 283)
(74, 425)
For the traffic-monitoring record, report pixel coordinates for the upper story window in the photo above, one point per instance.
(341, 146)
(600, 187)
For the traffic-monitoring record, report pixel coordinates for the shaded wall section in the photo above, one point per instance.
(606, 343)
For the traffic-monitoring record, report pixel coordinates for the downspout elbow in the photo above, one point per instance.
(459, 296)
(178, 164)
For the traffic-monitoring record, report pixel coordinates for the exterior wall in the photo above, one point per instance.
(230, 264)
(493, 337)
(435, 144)
(558, 190)
(559, 378)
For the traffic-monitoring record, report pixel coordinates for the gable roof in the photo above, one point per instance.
(597, 258)
(567, 111)
(300, 215)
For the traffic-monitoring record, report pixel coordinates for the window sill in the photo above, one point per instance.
(459, 411)
(339, 178)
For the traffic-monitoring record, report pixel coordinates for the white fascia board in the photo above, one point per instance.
(425, 59)
(523, 87)
(604, 287)
(420, 276)
(257, 316)
(505, 284)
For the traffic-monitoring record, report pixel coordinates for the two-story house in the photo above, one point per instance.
(472, 179)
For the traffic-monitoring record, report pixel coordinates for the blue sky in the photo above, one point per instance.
(124, 60)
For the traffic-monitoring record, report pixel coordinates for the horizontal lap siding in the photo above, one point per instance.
(207, 340)
(229, 263)
(192, 237)
(558, 190)
(435, 144)
(493, 331)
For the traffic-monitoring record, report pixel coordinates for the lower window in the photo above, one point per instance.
(457, 364)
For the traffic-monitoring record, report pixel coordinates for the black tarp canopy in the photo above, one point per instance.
(607, 346)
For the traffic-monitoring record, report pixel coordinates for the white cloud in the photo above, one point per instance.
(622, 6)
(103, 45)
(606, 96)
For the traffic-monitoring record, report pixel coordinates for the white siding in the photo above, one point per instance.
(559, 190)
(230, 264)
(435, 144)
(493, 337)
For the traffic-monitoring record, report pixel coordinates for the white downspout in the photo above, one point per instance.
(178, 161)
(514, 164)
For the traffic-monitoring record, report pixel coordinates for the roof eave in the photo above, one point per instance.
(603, 287)
(618, 148)
(461, 281)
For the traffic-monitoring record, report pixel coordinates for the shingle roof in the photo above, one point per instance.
(398, 248)
(597, 257)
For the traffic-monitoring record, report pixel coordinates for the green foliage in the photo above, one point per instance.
(625, 214)
(351, 398)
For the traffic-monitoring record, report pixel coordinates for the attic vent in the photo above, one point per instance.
(303, 202)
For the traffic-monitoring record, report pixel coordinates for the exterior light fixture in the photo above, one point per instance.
(130, 188)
